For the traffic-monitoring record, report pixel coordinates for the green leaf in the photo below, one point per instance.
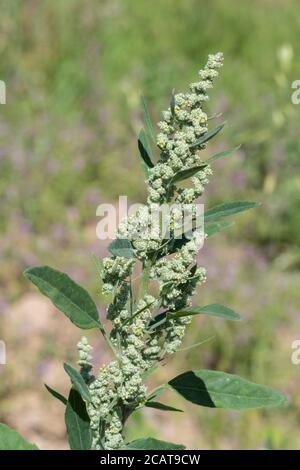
(172, 103)
(99, 265)
(206, 137)
(215, 310)
(77, 422)
(215, 227)
(12, 440)
(153, 444)
(147, 120)
(157, 321)
(195, 345)
(221, 390)
(121, 247)
(161, 406)
(228, 208)
(187, 173)
(78, 382)
(193, 270)
(218, 155)
(145, 150)
(174, 244)
(145, 170)
(214, 116)
(157, 392)
(66, 295)
(56, 394)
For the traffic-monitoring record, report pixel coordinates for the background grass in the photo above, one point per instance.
(74, 72)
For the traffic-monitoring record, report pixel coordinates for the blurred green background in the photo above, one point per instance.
(74, 72)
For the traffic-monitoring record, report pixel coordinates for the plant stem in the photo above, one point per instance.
(107, 339)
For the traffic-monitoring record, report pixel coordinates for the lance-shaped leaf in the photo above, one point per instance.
(157, 392)
(66, 295)
(174, 244)
(121, 247)
(78, 382)
(147, 120)
(214, 116)
(161, 406)
(153, 444)
(145, 150)
(215, 227)
(172, 103)
(186, 173)
(228, 208)
(145, 170)
(221, 390)
(12, 440)
(99, 265)
(56, 394)
(77, 422)
(206, 137)
(221, 154)
(193, 270)
(157, 321)
(214, 310)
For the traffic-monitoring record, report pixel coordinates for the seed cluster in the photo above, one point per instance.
(139, 342)
(181, 128)
(177, 280)
(119, 385)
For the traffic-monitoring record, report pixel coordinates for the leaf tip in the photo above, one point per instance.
(26, 272)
